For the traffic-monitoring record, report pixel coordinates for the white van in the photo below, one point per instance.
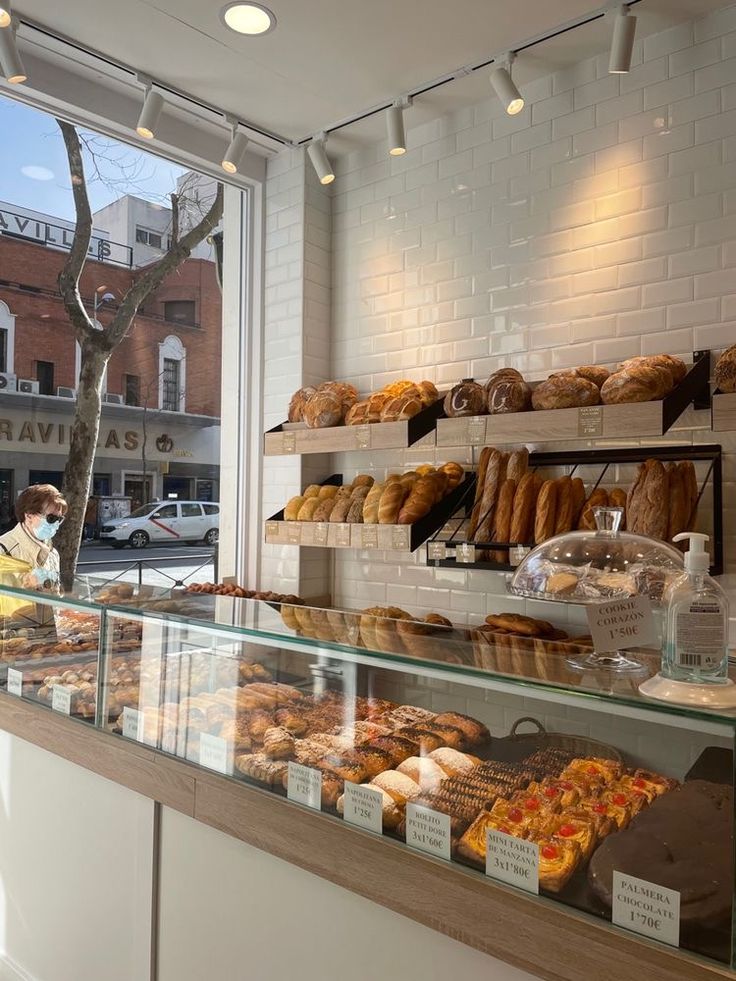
(165, 521)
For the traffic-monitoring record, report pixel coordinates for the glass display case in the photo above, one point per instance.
(479, 746)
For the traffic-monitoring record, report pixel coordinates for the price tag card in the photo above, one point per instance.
(132, 724)
(428, 830)
(305, 786)
(272, 529)
(512, 860)
(646, 908)
(61, 700)
(477, 430)
(400, 537)
(15, 681)
(288, 443)
(363, 807)
(437, 551)
(621, 624)
(321, 530)
(213, 753)
(590, 420)
(369, 536)
(293, 532)
(517, 554)
(343, 535)
(362, 437)
(465, 553)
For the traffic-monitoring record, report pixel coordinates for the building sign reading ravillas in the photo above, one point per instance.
(61, 237)
(56, 434)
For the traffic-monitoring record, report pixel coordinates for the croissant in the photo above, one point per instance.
(390, 503)
(370, 505)
(419, 502)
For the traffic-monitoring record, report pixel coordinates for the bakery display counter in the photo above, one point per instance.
(416, 734)
(644, 415)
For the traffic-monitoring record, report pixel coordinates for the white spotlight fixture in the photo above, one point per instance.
(248, 18)
(236, 148)
(5, 15)
(507, 92)
(10, 60)
(395, 127)
(153, 104)
(320, 160)
(622, 42)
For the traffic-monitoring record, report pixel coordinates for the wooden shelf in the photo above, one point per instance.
(294, 438)
(395, 538)
(633, 420)
(723, 412)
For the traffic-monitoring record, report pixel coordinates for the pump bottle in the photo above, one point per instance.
(696, 639)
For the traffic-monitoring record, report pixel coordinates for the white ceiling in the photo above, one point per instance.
(331, 59)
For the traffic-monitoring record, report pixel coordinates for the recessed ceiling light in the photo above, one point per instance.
(248, 18)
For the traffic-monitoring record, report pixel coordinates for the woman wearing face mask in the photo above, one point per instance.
(40, 510)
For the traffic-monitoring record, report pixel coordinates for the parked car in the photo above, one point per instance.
(165, 521)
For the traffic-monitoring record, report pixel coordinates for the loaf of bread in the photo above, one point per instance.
(617, 499)
(370, 504)
(363, 480)
(638, 383)
(328, 490)
(518, 464)
(311, 491)
(495, 476)
(308, 508)
(503, 374)
(565, 392)
(577, 488)
(522, 519)
(390, 503)
(324, 409)
(546, 512)
(690, 482)
(299, 402)
(401, 408)
(324, 509)
(419, 502)
(466, 399)
(355, 511)
(725, 372)
(358, 415)
(504, 512)
(564, 519)
(648, 501)
(675, 367)
(598, 499)
(340, 511)
(508, 395)
(428, 392)
(455, 473)
(292, 508)
(376, 403)
(346, 393)
(679, 510)
(480, 480)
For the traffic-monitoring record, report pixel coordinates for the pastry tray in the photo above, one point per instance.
(634, 419)
(296, 438)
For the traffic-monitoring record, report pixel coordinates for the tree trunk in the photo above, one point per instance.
(80, 462)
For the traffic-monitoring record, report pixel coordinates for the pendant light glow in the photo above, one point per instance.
(5, 16)
(235, 151)
(622, 42)
(248, 18)
(506, 90)
(10, 60)
(150, 114)
(395, 128)
(320, 161)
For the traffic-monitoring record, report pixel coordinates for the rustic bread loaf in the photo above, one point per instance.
(637, 383)
(466, 399)
(299, 402)
(508, 395)
(598, 498)
(565, 392)
(648, 501)
(324, 409)
(725, 373)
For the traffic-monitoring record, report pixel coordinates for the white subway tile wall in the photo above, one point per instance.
(597, 225)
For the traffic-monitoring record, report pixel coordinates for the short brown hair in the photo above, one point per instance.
(36, 497)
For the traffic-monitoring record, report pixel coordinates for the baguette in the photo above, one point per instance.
(370, 504)
(687, 471)
(578, 499)
(518, 464)
(617, 499)
(599, 498)
(495, 476)
(546, 512)
(504, 510)
(390, 503)
(678, 518)
(485, 455)
(564, 521)
(522, 519)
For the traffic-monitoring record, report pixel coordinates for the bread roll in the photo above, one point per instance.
(480, 480)
(546, 512)
(502, 521)
(639, 383)
(370, 504)
(725, 371)
(292, 508)
(427, 392)
(308, 508)
(598, 498)
(355, 512)
(340, 511)
(358, 415)
(363, 480)
(328, 491)
(323, 410)
(564, 506)
(508, 395)
(390, 503)
(578, 499)
(522, 519)
(311, 491)
(565, 392)
(495, 476)
(324, 509)
(518, 464)
(419, 502)
(299, 402)
(401, 387)
(466, 399)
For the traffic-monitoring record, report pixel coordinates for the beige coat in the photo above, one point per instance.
(19, 544)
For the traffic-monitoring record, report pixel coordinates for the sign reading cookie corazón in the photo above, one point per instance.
(621, 624)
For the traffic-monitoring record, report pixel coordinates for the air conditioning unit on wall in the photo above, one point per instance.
(66, 393)
(27, 386)
(114, 399)
(8, 382)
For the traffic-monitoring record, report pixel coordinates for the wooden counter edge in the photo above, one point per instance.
(535, 935)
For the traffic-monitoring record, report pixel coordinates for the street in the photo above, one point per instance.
(162, 565)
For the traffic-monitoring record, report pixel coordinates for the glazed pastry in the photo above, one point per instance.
(476, 734)
(398, 748)
(426, 741)
(558, 859)
(466, 399)
(576, 824)
(450, 735)
(259, 767)
(278, 743)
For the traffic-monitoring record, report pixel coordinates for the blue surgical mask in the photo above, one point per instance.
(46, 531)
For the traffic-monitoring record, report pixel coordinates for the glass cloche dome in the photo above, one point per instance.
(594, 566)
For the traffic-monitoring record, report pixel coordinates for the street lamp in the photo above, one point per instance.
(100, 299)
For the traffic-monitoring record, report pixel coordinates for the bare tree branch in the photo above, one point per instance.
(174, 219)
